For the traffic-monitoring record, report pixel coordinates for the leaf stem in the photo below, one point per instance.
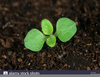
(46, 37)
(56, 33)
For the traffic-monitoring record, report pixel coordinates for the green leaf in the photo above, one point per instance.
(47, 27)
(51, 41)
(34, 40)
(65, 29)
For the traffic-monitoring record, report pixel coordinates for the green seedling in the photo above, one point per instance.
(65, 30)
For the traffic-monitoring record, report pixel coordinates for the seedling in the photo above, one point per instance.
(65, 30)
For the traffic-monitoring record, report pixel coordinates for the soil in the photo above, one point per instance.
(81, 52)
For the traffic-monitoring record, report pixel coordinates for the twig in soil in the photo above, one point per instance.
(4, 26)
(14, 22)
(68, 45)
(63, 54)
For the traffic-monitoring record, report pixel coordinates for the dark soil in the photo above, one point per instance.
(81, 52)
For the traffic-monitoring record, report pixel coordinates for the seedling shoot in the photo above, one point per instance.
(65, 30)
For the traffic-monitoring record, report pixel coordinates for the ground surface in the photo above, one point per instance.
(81, 52)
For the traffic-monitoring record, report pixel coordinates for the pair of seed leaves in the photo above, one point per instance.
(65, 29)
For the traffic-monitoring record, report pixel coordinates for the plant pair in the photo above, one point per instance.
(65, 29)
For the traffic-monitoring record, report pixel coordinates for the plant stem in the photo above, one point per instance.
(46, 37)
(56, 33)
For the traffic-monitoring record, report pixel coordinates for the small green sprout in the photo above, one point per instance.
(65, 30)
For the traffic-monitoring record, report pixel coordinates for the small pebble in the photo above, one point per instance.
(51, 5)
(62, 14)
(73, 51)
(96, 44)
(59, 57)
(40, 14)
(78, 54)
(84, 14)
(60, 51)
(96, 24)
(86, 50)
(96, 32)
(73, 4)
(40, 54)
(17, 34)
(96, 4)
(73, 64)
(17, 54)
(76, 23)
(84, 54)
(21, 64)
(81, 53)
(29, 64)
(6, 4)
(68, 65)
(28, 24)
(28, 4)
(73, 44)
(85, 34)
(17, 15)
